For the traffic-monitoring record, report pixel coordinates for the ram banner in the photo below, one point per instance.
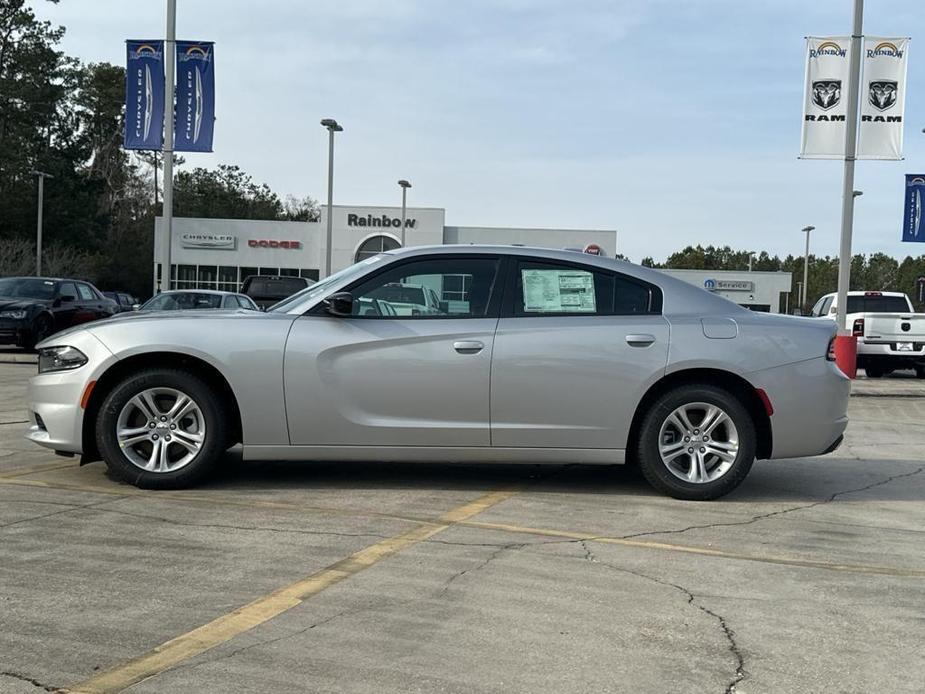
(914, 209)
(883, 96)
(195, 96)
(144, 95)
(825, 108)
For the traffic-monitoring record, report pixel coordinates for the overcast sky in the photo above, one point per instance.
(675, 122)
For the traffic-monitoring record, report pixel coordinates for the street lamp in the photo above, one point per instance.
(751, 255)
(805, 268)
(405, 185)
(38, 227)
(857, 193)
(332, 127)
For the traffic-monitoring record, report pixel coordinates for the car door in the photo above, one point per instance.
(376, 378)
(575, 350)
(90, 304)
(67, 306)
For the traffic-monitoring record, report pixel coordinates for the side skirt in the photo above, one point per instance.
(429, 454)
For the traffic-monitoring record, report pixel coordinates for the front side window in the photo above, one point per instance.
(553, 289)
(413, 290)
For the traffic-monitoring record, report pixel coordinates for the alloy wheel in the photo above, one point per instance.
(698, 442)
(160, 429)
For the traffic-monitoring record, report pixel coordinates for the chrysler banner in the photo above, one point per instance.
(913, 222)
(883, 93)
(144, 95)
(195, 96)
(825, 109)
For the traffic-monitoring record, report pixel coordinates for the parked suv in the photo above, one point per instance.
(32, 308)
(124, 302)
(267, 290)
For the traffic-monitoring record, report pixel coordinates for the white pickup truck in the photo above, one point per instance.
(890, 334)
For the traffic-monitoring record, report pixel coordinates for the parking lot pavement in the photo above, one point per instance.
(421, 578)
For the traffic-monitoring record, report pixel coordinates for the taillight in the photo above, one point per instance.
(858, 329)
(830, 354)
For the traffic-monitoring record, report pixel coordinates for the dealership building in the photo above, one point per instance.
(221, 253)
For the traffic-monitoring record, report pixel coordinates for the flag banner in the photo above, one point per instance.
(144, 95)
(825, 107)
(195, 96)
(914, 209)
(883, 96)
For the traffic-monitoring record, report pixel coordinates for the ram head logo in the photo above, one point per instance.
(826, 93)
(882, 94)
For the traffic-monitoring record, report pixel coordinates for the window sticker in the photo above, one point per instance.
(558, 291)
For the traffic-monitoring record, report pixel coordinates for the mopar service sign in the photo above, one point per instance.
(209, 242)
(913, 224)
(728, 285)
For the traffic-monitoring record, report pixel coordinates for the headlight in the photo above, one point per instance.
(60, 359)
(15, 315)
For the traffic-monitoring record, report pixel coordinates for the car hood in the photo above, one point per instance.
(9, 304)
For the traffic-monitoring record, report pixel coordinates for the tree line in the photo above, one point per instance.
(875, 272)
(65, 118)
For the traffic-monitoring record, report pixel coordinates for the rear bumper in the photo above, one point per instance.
(886, 352)
(810, 401)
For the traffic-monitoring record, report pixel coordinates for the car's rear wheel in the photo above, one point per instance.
(920, 371)
(696, 442)
(162, 429)
(874, 371)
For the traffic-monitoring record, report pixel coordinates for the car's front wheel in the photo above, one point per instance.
(697, 442)
(162, 429)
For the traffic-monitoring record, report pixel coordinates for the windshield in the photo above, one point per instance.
(27, 288)
(321, 287)
(877, 304)
(183, 301)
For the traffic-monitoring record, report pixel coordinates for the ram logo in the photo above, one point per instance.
(826, 93)
(882, 94)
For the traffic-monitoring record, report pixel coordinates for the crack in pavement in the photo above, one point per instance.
(781, 512)
(356, 610)
(730, 636)
(31, 680)
(70, 509)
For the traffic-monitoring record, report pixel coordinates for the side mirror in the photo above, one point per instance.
(136, 307)
(340, 304)
(444, 306)
(65, 298)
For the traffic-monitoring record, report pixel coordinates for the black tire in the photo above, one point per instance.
(215, 440)
(41, 328)
(657, 472)
(874, 371)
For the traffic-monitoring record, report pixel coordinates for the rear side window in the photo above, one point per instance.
(877, 304)
(553, 289)
(86, 294)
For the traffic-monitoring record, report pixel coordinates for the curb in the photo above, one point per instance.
(19, 359)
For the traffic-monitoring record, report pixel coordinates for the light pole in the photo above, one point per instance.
(167, 211)
(332, 127)
(405, 185)
(751, 255)
(800, 294)
(38, 227)
(805, 268)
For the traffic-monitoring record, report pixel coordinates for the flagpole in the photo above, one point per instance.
(169, 61)
(846, 346)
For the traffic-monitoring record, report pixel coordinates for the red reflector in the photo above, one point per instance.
(765, 400)
(86, 396)
(873, 293)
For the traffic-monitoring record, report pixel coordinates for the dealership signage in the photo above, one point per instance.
(212, 242)
(274, 243)
(914, 209)
(144, 95)
(882, 97)
(729, 285)
(358, 220)
(195, 96)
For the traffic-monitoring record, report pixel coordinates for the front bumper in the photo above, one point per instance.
(12, 332)
(54, 398)
(810, 400)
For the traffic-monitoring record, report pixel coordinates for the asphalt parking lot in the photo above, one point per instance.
(442, 578)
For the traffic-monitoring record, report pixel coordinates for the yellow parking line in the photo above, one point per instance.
(704, 551)
(269, 606)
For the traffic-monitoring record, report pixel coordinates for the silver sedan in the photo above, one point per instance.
(529, 355)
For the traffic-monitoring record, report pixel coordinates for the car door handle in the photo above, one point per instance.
(468, 346)
(640, 340)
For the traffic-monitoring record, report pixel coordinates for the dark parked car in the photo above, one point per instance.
(124, 302)
(267, 290)
(32, 308)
